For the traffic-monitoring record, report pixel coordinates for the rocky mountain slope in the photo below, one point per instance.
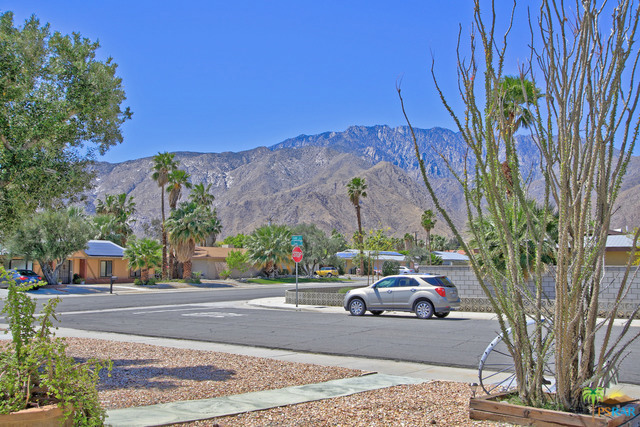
(304, 179)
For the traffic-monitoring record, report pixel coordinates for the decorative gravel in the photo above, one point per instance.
(145, 375)
(442, 403)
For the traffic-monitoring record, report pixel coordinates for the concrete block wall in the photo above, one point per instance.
(468, 286)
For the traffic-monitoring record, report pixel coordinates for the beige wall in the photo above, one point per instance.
(616, 257)
(120, 268)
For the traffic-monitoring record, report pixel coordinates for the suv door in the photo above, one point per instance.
(382, 294)
(405, 289)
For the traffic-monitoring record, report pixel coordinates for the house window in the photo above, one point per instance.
(106, 268)
(135, 273)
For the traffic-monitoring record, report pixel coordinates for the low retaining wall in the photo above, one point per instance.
(324, 296)
(331, 298)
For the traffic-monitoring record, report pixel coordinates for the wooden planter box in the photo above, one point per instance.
(45, 416)
(490, 408)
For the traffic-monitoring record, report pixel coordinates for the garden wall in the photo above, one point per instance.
(473, 298)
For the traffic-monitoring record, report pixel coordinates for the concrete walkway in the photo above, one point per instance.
(193, 410)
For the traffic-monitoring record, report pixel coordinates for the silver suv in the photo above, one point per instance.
(424, 294)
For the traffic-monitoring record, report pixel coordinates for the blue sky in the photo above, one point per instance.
(213, 76)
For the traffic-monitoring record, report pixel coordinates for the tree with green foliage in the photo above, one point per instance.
(236, 241)
(50, 237)
(177, 180)
(59, 107)
(163, 164)
(187, 224)
(585, 128)
(269, 246)
(114, 218)
(201, 195)
(143, 254)
(238, 260)
(319, 249)
(376, 242)
(357, 189)
(428, 222)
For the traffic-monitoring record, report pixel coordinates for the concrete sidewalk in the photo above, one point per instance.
(193, 410)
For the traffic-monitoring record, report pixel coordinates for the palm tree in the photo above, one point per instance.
(143, 254)
(114, 216)
(177, 179)
(356, 188)
(515, 96)
(187, 225)
(163, 165)
(269, 245)
(527, 242)
(428, 222)
(200, 194)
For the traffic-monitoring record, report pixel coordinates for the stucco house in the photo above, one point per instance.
(211, 260)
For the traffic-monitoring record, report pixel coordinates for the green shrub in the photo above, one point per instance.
(76, 279)
(195, 277)
(36, 370)
(224, 274)
(390, 268)
(138, 282)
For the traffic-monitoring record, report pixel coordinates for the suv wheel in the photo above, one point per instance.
(424, 309)
(329, 275)
(442, 315)
(357, 307)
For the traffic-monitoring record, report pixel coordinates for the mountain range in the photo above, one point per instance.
(303, 180)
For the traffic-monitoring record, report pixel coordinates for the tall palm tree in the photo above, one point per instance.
(428, 222)
(177, 180)
(143, 254)
(516, 95)
(187, 225)
(163, 164)
(200, 194)
(356, 188)
(269, 245)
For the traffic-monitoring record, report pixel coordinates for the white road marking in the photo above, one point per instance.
(169, 307)
(213, 314)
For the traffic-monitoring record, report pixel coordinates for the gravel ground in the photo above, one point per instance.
(144, 375)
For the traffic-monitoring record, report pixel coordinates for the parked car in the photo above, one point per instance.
(426, 295)
(405, 270)
(21, 276)
(327, 272)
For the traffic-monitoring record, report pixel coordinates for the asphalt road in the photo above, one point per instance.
(221, 315)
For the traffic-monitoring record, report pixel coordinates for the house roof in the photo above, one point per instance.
(204, 252)
(380, 255)
(451, 256)
(619, 242)
(104, 248)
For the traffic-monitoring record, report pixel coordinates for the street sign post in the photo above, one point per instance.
(296, 255)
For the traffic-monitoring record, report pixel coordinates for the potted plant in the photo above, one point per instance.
(37, 375)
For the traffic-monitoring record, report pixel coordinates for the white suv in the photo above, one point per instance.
(425, 294)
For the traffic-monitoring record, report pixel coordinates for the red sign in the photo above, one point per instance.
(296, 254)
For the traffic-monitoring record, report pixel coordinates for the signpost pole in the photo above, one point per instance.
(296, 255)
